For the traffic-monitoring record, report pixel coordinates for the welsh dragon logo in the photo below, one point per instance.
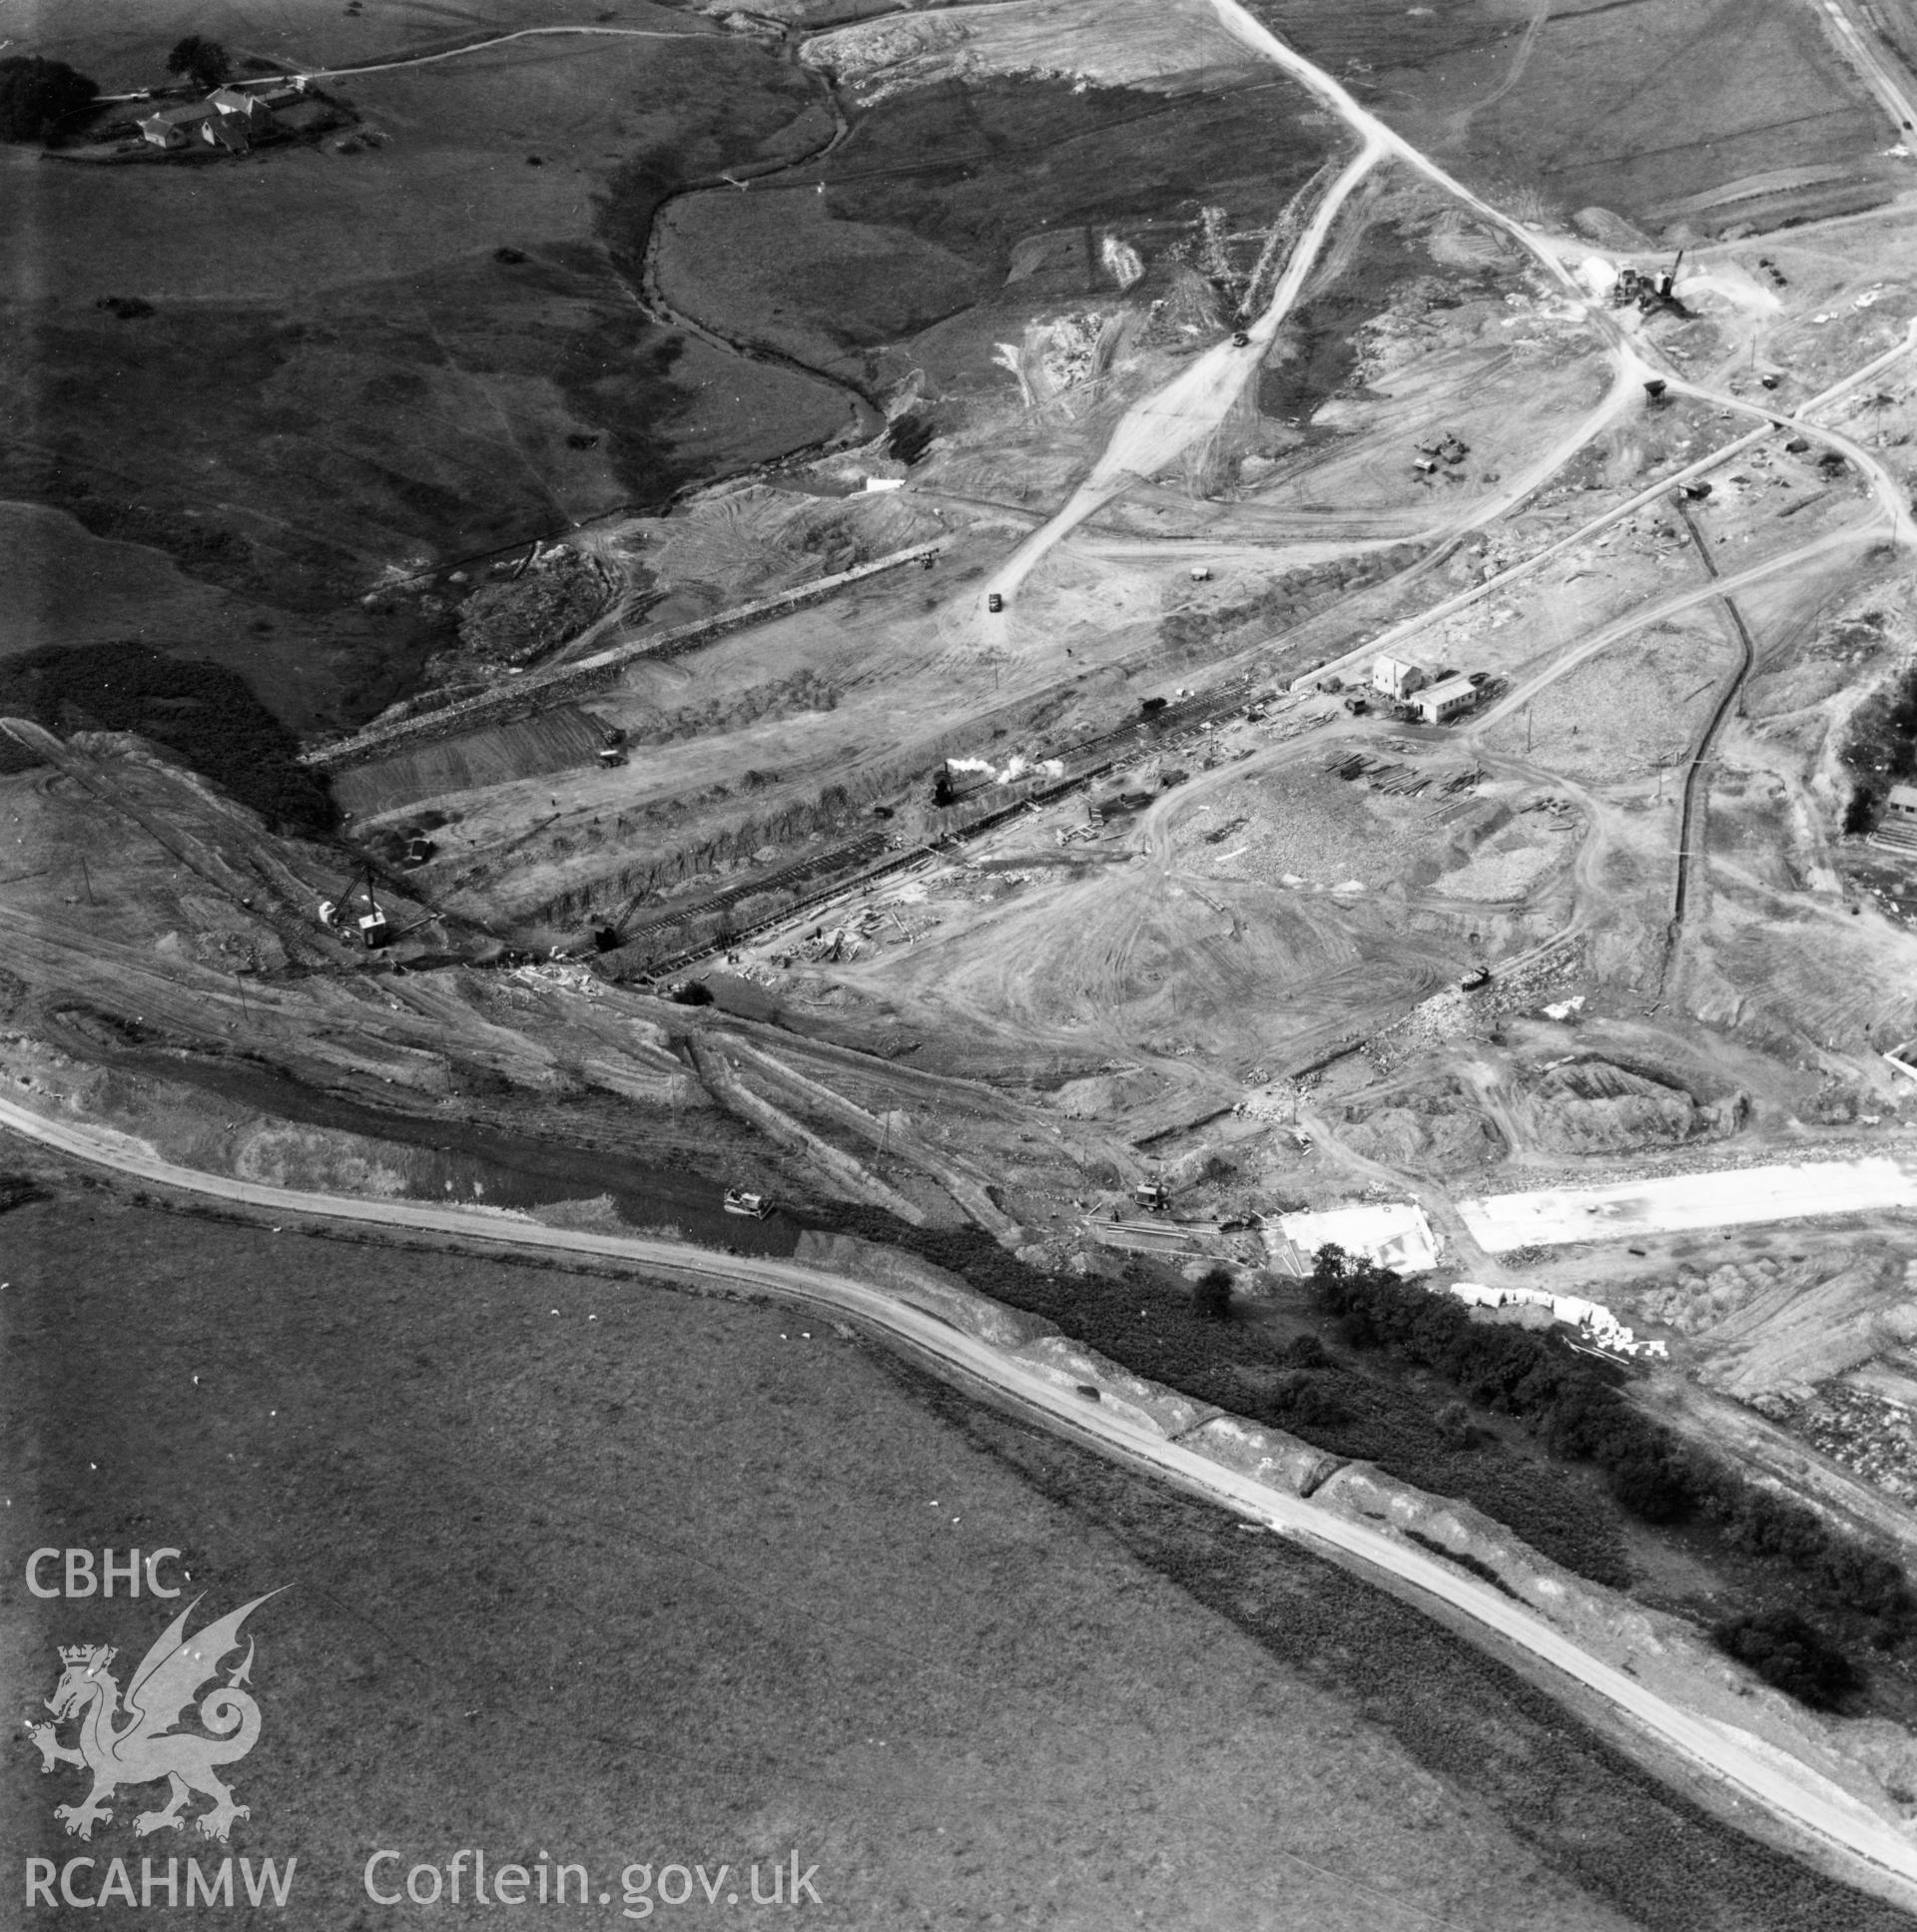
(135, 1740)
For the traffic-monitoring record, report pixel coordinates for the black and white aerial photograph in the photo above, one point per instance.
(958, 966)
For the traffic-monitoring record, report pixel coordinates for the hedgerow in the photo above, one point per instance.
(1294, 1387)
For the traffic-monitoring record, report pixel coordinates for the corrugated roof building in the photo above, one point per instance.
(1445, 701)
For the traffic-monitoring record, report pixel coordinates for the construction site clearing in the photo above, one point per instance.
(1462, 814)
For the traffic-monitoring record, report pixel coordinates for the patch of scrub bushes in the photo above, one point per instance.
(204, 714)
(1295, 1386)
(1575, 1407)
(1570, 1401)
(1880, 748)
(1790, 1654)
(515, 621)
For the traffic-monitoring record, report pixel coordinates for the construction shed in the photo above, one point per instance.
(1897, 822)
(1397, 677)
(1442, 702)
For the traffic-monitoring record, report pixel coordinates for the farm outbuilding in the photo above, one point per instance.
(174, 127)
(250, 108)
(228, 118)
(228, 130)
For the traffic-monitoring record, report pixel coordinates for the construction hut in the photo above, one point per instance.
(1397, 678)
(1897, 822)
(1442, 702)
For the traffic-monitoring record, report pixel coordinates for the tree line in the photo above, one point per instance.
(1577, 1409)
(38, 97)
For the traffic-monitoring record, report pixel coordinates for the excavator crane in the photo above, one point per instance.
(372, 928)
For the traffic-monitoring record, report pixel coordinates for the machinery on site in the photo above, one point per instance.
(1151, 1196)
(612, 750)
(372, 928)
(754, 1207)
(1648, 291)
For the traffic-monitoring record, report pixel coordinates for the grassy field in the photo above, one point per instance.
(1527, 1765)
(1624, 106)
(338, 380)
(925, 201)
(124, 48)
(618, 1575)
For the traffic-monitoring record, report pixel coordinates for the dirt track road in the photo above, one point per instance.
(1794, 1792)
(1190, 408)
(480, 46)
(1877, 72)
(1155, 432)
(1890, 499)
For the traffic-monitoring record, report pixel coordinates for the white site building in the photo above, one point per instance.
(1397, 678)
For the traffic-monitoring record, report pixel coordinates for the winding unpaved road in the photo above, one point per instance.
(1791, 1791)
(424, 60)
(479, 47)
(1891, 501)
(1163, 425)
(1156, 431)
(1873, 68)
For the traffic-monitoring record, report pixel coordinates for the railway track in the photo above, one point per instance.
(845, 868)
(1695, 780)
